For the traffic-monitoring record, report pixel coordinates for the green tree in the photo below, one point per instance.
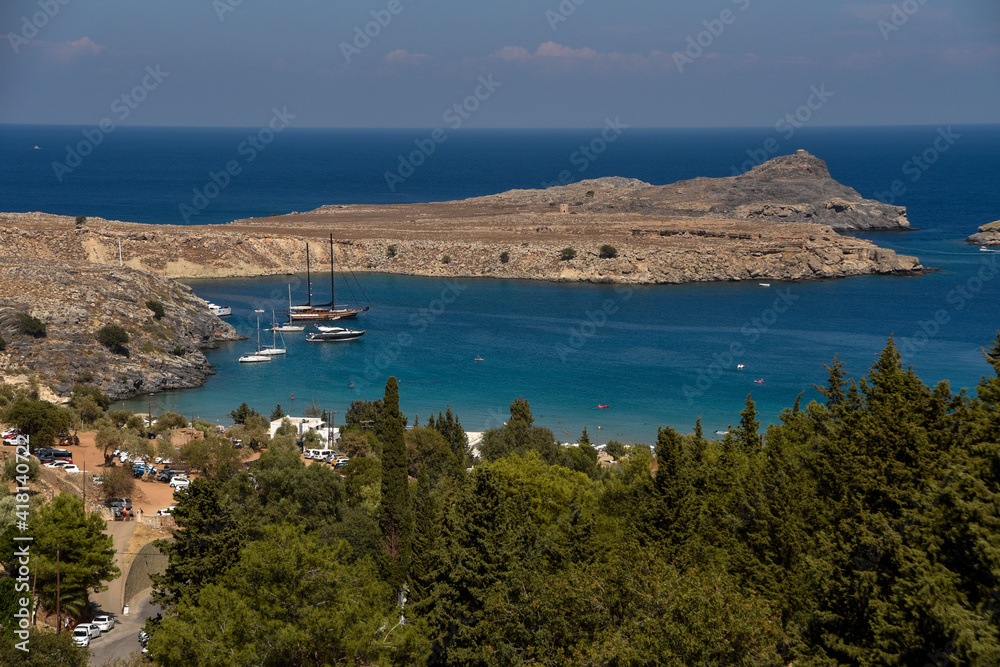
(3, 344)
(116, 483)
(567, 254)
(291, 599)
(41, 420)
(397, 517)
(31, 326)
(277, 413)
(208, 542)
(113, 337)
(608, 251)
(86, 555)
(615, 449)
(241, 414)
(504, 257)
(157, 309)
(45, 649)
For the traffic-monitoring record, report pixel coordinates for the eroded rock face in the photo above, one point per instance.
(988, 234)
(76, 299)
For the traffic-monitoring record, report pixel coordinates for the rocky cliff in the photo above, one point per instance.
(75, 299)
(788, 188)
(988, 234)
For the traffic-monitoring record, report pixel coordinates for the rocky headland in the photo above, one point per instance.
(779, 221)
(75, 299)
(988, 234)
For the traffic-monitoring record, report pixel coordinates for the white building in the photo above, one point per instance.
(303, 425)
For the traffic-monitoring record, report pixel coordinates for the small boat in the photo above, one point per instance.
(604, 405)
(220, 311)
(258, 355)
(335, 334)
(478, 358)
(722, 433)
(764, 284)
(274, 350)
(983, 248)
(740, 367)
(285, 326)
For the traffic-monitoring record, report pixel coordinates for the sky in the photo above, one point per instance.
(514, 64)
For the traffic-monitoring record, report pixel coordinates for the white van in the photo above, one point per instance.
(315, 453)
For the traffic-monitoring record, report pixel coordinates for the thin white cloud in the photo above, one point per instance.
(404, 57)
(65, 52)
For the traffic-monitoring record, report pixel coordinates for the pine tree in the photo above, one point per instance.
(749, 425)
(584, 437)
(397, 517)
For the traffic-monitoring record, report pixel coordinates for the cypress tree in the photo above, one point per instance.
(749, 424)
(397, 517)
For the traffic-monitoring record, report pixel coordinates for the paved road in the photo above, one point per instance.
(123, 639)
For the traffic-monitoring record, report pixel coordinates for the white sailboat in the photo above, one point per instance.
(256, 357)
(287, 326)
(274, 350)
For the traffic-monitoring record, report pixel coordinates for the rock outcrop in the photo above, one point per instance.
(788, 188)
(988, 234)
(76, 299)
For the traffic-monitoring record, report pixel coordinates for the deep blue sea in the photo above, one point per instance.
(656, 354)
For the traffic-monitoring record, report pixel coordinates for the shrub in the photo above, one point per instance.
(578, 203)
(390, 251)
(608, 251)
(178, 351)
(567, 254)
(81, 220)
(590, 193)
(3, 344)
(446, 259)
(157, 309)
(30, 325)
(10, 472)
(112, 337)
(504, 257)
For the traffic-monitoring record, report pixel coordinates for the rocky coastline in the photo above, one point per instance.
(988, 235)
(75, 300)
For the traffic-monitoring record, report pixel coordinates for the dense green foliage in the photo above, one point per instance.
(113, 337)
(157, 309)
(41, 420)
(31, 325)
(863, 529)
(567, 254)
(45, 649)
(608, 251)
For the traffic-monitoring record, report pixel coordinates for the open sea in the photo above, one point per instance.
(656, 355)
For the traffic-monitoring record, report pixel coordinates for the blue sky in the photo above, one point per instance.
(552, 63)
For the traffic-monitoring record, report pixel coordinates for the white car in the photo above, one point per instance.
(71, 468)
(81, 636)
(92, 628)
(19, 440)
(166, 512)
(105, 622)
(179, 482)
(56, 464)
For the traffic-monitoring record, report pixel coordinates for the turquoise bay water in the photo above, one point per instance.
(655, 354)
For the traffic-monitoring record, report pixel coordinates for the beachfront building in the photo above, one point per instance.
(304, 424)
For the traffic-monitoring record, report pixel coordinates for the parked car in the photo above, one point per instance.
(166, 474)
(69, 467)
(97, 480)
(56, 463)
(92, 628)
(105, 622)
(81, 636)
(180, 482)
(166, 512)
(124, 503)
(18, 440)
(140, 470)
